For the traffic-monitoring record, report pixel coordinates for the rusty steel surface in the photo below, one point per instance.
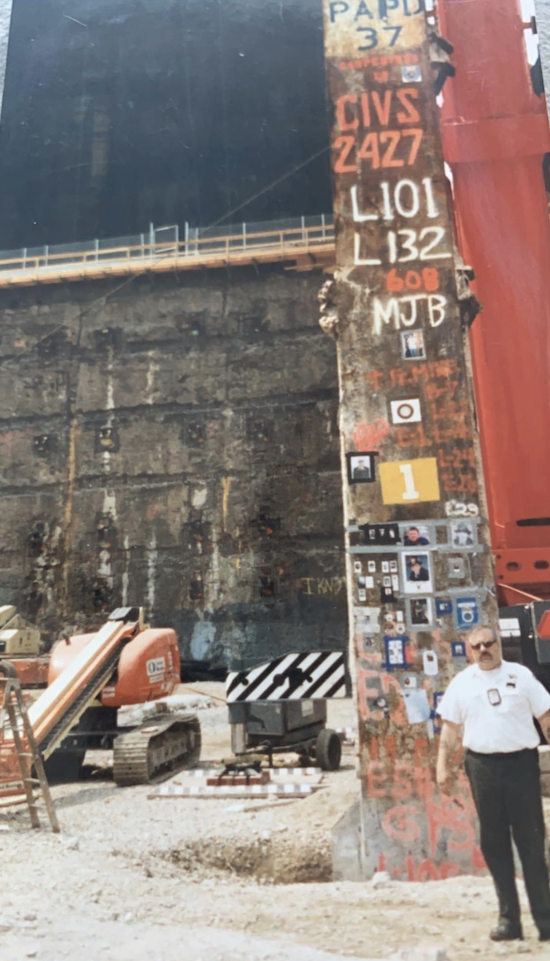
(419, 566)
(32, 672)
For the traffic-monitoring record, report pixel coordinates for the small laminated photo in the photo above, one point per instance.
(416, 572)
(395, 652)
(411, 73)
(366, 620)
(463, 534)
(366, 625)
(412, 345)
(421, 612)
(361, 468)
(395, 623)
(416, 535)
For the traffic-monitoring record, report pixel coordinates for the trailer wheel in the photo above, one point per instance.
(328, 750)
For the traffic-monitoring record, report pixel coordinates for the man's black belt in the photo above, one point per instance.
(502, 754)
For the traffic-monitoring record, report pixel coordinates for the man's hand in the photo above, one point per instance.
(544, 722)
(447, 747)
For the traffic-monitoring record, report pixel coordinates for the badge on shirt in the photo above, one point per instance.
(494, 696)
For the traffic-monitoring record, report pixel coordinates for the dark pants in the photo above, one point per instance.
(507, 795)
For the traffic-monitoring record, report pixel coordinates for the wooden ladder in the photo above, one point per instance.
(14, 715)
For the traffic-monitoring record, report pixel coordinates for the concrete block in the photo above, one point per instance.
(347, 846)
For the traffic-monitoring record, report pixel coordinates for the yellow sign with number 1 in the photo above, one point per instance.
(409, 481)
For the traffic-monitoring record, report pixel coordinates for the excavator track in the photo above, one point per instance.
(157, 749)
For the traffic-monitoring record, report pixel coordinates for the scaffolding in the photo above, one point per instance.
(304, 243)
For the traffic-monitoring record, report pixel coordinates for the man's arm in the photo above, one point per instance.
(544, 722)
(447, 747)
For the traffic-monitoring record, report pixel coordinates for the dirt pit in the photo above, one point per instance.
(134, 879)
(267, 859)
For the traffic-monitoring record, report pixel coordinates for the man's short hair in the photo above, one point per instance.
(482, 629)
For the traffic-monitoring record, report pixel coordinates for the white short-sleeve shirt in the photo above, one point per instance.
(496, 707)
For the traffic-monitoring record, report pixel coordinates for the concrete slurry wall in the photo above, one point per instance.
(5, 20)
(173, 443)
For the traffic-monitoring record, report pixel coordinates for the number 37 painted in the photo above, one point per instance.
(355, 11)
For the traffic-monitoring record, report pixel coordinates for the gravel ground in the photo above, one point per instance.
(161, 880)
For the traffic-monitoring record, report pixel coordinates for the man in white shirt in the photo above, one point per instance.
(495, 702)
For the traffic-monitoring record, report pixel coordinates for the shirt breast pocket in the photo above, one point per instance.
(513, 701)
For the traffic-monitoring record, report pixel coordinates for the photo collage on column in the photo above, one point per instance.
(406, 571)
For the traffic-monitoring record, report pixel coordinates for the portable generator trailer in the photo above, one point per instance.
(280, 707)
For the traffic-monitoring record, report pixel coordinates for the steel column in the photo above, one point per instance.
(418, 565)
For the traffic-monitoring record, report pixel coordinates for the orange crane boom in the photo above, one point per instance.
(91, 676)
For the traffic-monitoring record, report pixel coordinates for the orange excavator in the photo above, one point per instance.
(90, 677)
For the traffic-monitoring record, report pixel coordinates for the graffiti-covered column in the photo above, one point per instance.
(419, 570)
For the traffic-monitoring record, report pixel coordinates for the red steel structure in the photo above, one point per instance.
(495, 134)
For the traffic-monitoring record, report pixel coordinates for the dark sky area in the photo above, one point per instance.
(160, 110)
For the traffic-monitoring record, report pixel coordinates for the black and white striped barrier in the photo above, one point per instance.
(315, 675)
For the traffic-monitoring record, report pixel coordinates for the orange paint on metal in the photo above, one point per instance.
(495, 133)
(139, 678)
(543, 628)
(31, 671)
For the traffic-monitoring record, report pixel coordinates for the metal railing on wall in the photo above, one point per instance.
(165, 248)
